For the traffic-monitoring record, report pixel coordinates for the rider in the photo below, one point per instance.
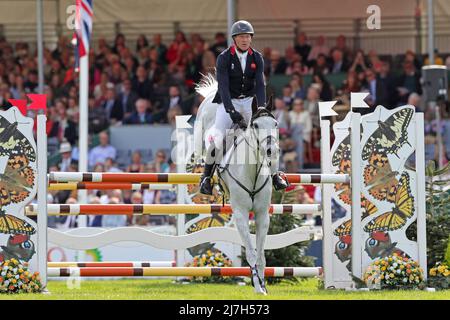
(239, 76)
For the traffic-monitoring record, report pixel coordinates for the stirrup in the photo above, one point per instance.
(283, 176)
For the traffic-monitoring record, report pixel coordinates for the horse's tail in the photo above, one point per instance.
(207, 87)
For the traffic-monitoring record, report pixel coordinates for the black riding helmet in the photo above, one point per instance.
(240, 27)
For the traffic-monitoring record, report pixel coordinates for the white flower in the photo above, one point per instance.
(6, 282)
(398, 271)
(395, 265)
(405, 280)
(3, 274)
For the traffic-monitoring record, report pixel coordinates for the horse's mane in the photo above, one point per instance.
(206, 85)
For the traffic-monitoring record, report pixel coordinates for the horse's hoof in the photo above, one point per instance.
(260, 292)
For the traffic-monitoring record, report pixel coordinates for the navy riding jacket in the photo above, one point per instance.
(234, 83)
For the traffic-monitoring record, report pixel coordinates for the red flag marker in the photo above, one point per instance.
(21, 104)
(38, 101)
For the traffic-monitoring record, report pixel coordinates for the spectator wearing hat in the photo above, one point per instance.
(65, 149)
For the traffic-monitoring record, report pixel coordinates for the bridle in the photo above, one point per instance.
(261, 112)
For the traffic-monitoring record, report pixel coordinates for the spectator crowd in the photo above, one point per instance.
(152, 82)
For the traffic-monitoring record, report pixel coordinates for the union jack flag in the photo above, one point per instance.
(83, 26)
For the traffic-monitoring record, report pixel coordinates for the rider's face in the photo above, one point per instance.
(243, 41)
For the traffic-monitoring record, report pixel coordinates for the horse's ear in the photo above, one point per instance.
(269, 105)
(254, 105)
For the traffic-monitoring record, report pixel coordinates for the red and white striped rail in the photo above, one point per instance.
(178, 178)
(159, 209)
(111, 264)
(183, 271)
(108, 186)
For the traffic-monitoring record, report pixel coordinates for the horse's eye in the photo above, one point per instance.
(256, 125)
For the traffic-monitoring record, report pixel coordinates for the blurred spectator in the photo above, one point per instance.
(298, 89)
(341, 44)
(97, 117)
(141, 84)
(160, 164)
(108, 102)
(281, 114)
(102, 151)
(415, 100)
(287, 96)
(161, 48)
(220, 43)
(359, 64)
(408, 81)
(351, 83)
(299, 116)
(31, 84)
(326, 93)
(125, 102)
(319, 48)
(176, 48)
(311, 103)
(136, 163)
(337, 62)
(277, 63)
(111, 166)
(142, 114)
(65, 149)
(302, 47)
(141, 42)
(321, 65)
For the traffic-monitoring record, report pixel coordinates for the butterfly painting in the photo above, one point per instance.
(379, 177)
(403, 209)
(390, 135)
(10, 224)
(13, 142)
(17, 180)
(215, 220)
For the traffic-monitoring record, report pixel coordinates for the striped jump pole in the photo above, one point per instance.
(183, 272)
(178, 178)
(108, 186)
(159, 209)
(112, 264)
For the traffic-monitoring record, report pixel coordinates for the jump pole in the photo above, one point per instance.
(182, 271)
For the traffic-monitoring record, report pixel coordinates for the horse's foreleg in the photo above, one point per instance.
(242, 219)
(262, 221)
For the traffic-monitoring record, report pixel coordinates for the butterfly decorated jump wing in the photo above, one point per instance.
(215, 220)
(391, 134)
(342, 152)
(344, 229)
(13, 142)
(380, 178)
(10, 224)
(16, 181)
(403, 210)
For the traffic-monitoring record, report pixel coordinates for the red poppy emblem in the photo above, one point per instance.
(253, 66)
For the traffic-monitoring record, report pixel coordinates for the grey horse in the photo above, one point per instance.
(245, 173)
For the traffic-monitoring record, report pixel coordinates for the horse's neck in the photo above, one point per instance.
(247, 171)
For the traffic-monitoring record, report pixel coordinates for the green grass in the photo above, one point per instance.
(162, 289)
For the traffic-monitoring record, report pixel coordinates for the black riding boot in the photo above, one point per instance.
(278, 182)
(205, 181)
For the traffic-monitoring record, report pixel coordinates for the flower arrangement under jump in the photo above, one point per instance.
(16, 278)
(394, 272)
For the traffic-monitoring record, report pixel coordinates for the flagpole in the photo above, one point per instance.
(83, 129)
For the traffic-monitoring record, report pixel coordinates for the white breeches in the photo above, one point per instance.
(223, 123)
